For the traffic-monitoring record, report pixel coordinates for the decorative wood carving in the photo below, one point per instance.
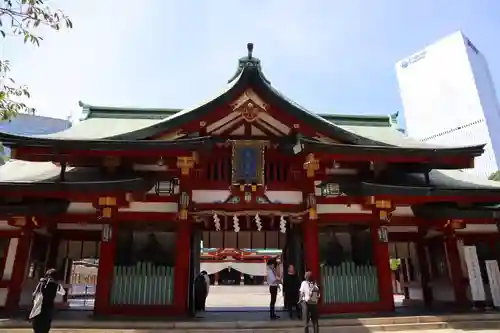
(249, 105)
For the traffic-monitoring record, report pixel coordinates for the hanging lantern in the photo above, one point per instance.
(106, 233)
(311, 206)
(383, 234)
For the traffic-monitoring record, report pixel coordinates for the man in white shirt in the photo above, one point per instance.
(309, 296)
(274, 282)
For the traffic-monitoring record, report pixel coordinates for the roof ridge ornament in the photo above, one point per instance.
(249, 62)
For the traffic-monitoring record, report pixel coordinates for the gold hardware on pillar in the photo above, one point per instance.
(311, 165)
(183, 214)
(242, 187)
(254, 187)
(313, 214)
(107, 201)
(107, 212)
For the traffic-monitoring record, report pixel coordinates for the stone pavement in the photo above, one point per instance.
(327, 330)
(247, 298)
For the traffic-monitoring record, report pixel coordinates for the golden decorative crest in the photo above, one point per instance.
(249, 105)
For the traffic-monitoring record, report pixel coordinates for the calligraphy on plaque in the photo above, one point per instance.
(248, 161)
(474, 272)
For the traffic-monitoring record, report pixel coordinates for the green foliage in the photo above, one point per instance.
(495, 176)
(22, 18)
(395, 263)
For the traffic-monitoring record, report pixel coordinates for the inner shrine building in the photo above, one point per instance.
(341, 195)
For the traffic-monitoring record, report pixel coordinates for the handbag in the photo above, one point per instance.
(37, 305)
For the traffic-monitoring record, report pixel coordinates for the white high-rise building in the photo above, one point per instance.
(449, 99)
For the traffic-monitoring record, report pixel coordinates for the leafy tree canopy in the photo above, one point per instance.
(495, 176)
(22, 19)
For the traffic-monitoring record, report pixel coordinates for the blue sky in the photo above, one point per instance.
(329, 56)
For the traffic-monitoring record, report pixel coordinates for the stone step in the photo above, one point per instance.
(361, 325)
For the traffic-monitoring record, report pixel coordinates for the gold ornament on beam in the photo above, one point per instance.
(186, 163)
(107, 204)
(311, 165)
(383, 204)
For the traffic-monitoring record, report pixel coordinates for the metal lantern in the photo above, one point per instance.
(383, 234)
(165, 187)
(106, 233)
(311, 200)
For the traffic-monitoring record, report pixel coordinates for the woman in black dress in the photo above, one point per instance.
(43, 306)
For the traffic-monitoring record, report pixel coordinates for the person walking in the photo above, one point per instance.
(291, 286)
(274, 282)
(309, 297)
(43, 302)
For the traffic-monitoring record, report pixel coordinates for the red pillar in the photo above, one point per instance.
(311, 247)
(384, 274)
(456, 273)
(105, 270)
(19, 270)
(182, 260)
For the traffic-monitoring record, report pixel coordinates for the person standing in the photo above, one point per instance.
(274, 282)
(200, 291)
(291, 286)
(43, 302)
(309, 297)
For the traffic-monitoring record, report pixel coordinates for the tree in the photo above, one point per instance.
(495, 176)
(22, 18)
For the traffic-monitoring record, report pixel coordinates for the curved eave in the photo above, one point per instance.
(34, 208)
(79, 181)
(83, 187)
(16, 141)
(432, 211)
(411, 190)
(344, 149)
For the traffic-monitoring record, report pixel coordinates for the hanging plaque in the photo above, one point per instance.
(494, 280)
(474, 272)
(248, 163)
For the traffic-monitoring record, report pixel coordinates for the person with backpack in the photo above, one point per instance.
(43, 302)
(309, 297)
